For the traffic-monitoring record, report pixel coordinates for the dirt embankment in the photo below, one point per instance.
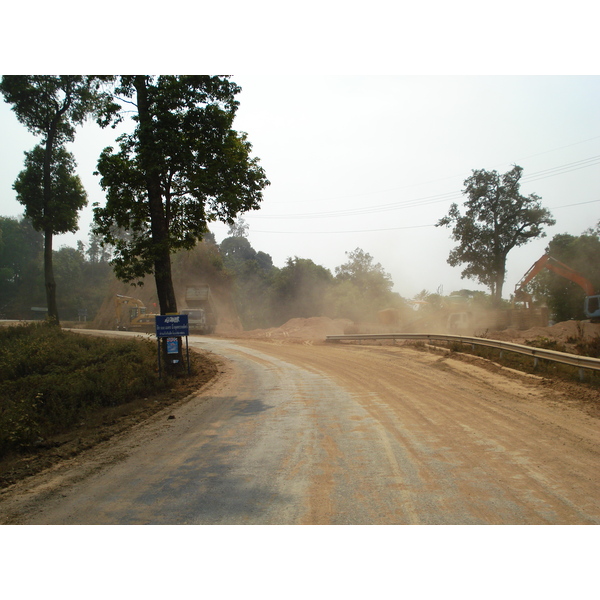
(318, 328)
(566, 332)
(299, 330)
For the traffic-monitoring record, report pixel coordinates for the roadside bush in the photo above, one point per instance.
(589, 347)
(50, 380)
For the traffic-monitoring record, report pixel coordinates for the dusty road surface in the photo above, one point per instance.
(336, 434)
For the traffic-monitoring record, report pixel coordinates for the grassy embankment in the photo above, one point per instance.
(53, 381)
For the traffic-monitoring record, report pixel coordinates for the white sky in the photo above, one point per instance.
(367, 141)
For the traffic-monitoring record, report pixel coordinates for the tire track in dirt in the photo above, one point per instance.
(321, 434)
(485, 448)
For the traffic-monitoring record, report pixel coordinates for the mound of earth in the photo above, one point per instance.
(298, 329)
(566, 332)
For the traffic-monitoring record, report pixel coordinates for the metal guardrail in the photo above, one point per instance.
(581, 362)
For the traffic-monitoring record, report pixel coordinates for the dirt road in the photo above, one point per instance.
(328, 434)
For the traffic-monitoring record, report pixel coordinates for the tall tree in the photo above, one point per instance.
(498, 218)
(51, 106)
(238, 229)
(52, 213)
(362, 288)
(370, 277)
(299, 289)
(182, 167)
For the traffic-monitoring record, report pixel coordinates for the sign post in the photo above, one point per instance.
(173, 328)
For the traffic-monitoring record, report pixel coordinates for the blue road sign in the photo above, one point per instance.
(172, 326)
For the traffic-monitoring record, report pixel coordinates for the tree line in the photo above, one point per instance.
(263, 295)
(183, 167)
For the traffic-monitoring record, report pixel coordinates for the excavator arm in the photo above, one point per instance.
(557, 267)
(592, 300)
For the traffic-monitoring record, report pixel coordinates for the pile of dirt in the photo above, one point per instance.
(566, 332)
(318, 328)
(298, 329)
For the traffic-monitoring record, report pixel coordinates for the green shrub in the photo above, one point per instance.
(50, 380)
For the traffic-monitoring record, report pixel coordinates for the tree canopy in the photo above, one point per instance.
(52, 106)
(183, 167)
(497, 219)
(363, 272)
(67, 195)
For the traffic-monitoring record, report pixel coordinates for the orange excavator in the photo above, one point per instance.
(591, 306)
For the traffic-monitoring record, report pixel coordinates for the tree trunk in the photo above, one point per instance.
(49, 282)
(499, 284)
(159, 226)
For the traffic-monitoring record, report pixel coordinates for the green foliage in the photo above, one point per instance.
(82, 275)
(590, 347)
(564, 298)
(56, 213)
(82, 283)
(298, 290)
(202, 264)
(182, 168)
(497, 219)
(52, 105)
(50, 380)
(253, 274)
(21, 278)
(361, 289)
(361, 271)
(267, 296)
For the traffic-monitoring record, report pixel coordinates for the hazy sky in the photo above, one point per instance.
(366, 145)
(373, 162)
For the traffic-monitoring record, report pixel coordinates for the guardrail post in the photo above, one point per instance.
(536, 362)
(581, 374)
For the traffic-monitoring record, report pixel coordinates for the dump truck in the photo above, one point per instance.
(200, 308)
(131, 315)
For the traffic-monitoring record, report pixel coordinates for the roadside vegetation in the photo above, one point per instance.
(54, 381)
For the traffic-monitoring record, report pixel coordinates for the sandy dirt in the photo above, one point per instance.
(313, 433)
(318, 328)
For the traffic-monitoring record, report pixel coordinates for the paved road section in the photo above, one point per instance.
(327, 434)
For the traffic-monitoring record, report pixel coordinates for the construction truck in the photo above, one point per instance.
(132, 316)
(200, 308)
(591, 306)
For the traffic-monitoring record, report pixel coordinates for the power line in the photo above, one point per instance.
(434, 199)
(580, 164)
(349, 231)
(442, 178)
(389, 228)
(575, 204)
(423, 201)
